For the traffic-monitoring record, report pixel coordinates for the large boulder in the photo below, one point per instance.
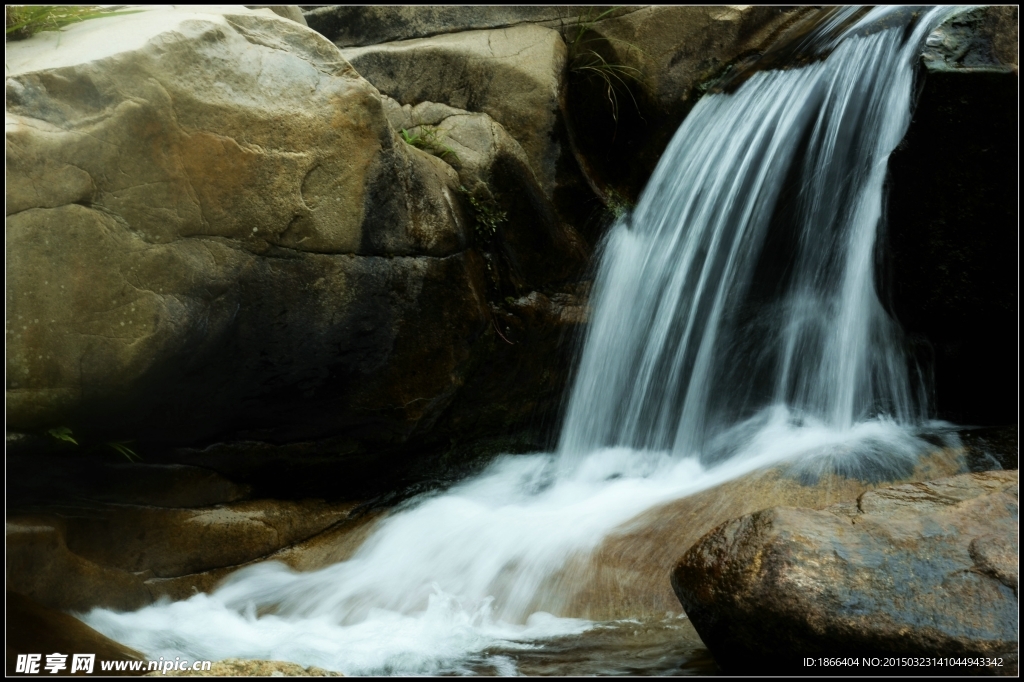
(214, 232)
(916, 570)
(950, 242)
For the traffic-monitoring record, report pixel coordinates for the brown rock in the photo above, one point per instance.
(124, 557)
(920, 569)
(172, 542)
(40, 566)
(200, 250)
(626, 577)
(532, 246)
(514, 75)
(335, 544)
(35, 629)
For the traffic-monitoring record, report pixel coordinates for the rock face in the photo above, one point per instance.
(537, 248)
(662, 59)
(950, 243)
(124, 557)
(215, 234)
(86, 532)
(228, 194)
(921, 569)
(287, 11)
(352, 26)
(514, 75)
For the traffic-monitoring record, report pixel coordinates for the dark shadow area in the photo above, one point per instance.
(951, 248)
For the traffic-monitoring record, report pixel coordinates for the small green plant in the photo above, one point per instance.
(589, 63)
(429, 140)
(63, 433)
(487, 217)
(24, 21)
(617, 204)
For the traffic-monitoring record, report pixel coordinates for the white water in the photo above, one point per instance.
(704, 361)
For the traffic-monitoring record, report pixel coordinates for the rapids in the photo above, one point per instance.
(735, 327)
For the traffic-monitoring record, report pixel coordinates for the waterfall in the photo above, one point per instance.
(744, 281)
(735, 325)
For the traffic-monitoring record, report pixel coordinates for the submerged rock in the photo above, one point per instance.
(920, 569)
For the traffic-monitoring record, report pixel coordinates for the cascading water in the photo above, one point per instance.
(735, 325)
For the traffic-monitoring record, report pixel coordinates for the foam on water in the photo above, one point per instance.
(703, 362)
(461, 573)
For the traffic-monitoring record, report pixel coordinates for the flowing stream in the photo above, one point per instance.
(735, 326)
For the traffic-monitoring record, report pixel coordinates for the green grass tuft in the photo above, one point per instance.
(589, 63)
(429, 140)
(24, 21)
(63, 433)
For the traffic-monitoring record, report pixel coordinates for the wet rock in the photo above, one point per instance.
(335, 544)
(626, 576)
(238, 667)
(124, 557)
(921, 569)
(979, 39)
(217, 230)
(35, 629)
(991, 448)
(949, 244)
(173, 542)
(521, 385)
